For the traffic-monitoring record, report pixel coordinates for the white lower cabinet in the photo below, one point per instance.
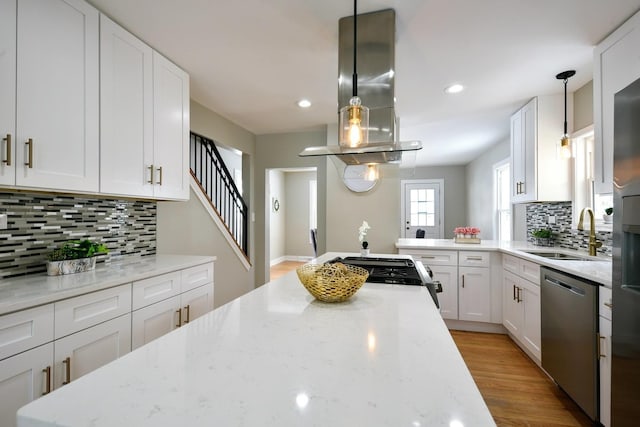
(23, 378)
(521, 304)
(448, 299)
(155, 320)
(196, 302)
(604, 356)
(474, 299)
(80, 353)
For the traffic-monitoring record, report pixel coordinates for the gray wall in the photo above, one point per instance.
(583, 106)
(480, 189)
(187, 228)
(297, 213)
(277, 220)
(281, 151)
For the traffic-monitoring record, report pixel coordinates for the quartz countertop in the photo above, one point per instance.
(278, 357)
(29, 291)
(597, 269)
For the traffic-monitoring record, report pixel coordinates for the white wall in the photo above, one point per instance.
(277, 220)
(480, 189)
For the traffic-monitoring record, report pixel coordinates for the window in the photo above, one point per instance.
(503, 201)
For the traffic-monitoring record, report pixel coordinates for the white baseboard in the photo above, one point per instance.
(463, 325)
(298, 258)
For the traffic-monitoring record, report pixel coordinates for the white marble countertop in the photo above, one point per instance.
(29, 291)
(597, 269)
(277, 357)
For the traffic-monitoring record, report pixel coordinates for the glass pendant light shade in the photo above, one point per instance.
(372, 173)
(354, 124)
(565, 148)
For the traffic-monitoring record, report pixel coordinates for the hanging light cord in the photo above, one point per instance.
(565, 105)
(354, 82)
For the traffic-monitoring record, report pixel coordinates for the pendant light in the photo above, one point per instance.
(354, 118)
(565, 142)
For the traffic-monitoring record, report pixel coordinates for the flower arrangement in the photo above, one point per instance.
(362, 234)
(462, 232)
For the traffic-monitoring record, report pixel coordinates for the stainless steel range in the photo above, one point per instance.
(397, 271)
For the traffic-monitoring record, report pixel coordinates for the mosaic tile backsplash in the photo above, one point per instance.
(37, 223)
(564, 235)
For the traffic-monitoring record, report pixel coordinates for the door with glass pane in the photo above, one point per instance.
(422, 208)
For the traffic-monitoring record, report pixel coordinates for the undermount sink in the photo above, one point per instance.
(559, 256)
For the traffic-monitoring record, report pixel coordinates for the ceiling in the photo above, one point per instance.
(252, 60)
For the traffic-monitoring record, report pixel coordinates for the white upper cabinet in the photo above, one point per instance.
(616, 64)
(538, 172)
(126, 112)
(7, 89)
(57, 95)
(170, 168)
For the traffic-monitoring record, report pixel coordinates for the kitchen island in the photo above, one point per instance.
(277, 357)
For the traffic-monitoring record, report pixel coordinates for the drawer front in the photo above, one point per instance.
(76, 314)
(474, 259)
(530, 271)
(25, 329)
(605, 302)
(196, 276)
(436, 257)
(155, 289)
(510, 263)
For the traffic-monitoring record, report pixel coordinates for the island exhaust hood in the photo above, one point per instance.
(375, 58)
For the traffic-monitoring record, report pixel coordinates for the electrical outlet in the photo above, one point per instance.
(551, 219)
(3, 222)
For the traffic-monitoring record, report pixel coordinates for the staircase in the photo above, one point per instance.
(216, 183)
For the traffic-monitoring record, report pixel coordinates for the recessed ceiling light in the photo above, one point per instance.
(455, 88)
(304, 103)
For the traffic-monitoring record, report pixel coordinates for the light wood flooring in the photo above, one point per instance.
(515, 389)
(283, 268)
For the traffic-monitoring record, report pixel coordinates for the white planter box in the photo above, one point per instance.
(70, 266)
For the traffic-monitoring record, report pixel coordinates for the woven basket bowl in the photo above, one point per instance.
(332, 282)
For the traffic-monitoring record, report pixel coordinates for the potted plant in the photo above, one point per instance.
(608, 215)
(542, 236)
(74, 256)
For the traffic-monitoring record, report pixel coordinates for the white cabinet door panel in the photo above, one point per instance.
(474, 300)
(91, 348)
(154, 289)
(448, 298)
(126, 112)
(25, 329)
(511, 311)
(8, 91)
(23, 379)
(155, 320)
(605, 371)
(57, 94)
(531, 330)
(196, 302)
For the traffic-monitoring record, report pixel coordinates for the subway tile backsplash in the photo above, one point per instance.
(564, 235)
(37, 223)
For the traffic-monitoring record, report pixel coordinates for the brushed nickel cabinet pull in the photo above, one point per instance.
(179, 311)
(150, 174)
(29, 162)
(7, 139)
(160, 173)
(47, 379)
(67, 363)
(188, 310)
(609, 305)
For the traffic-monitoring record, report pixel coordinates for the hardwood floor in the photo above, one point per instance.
(283, 268)
(515, 389)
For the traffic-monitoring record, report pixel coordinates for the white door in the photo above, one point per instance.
(155, 320)
(57, 95)
(89, 349)
(8, 90)
(196, 302)
(23, 378)
(474, 300)
(170, 130)
(126, 112)
(422, 208)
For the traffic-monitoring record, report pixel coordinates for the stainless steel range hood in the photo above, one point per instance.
(376, 88)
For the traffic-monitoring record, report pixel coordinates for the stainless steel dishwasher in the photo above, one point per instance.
(569, 336)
